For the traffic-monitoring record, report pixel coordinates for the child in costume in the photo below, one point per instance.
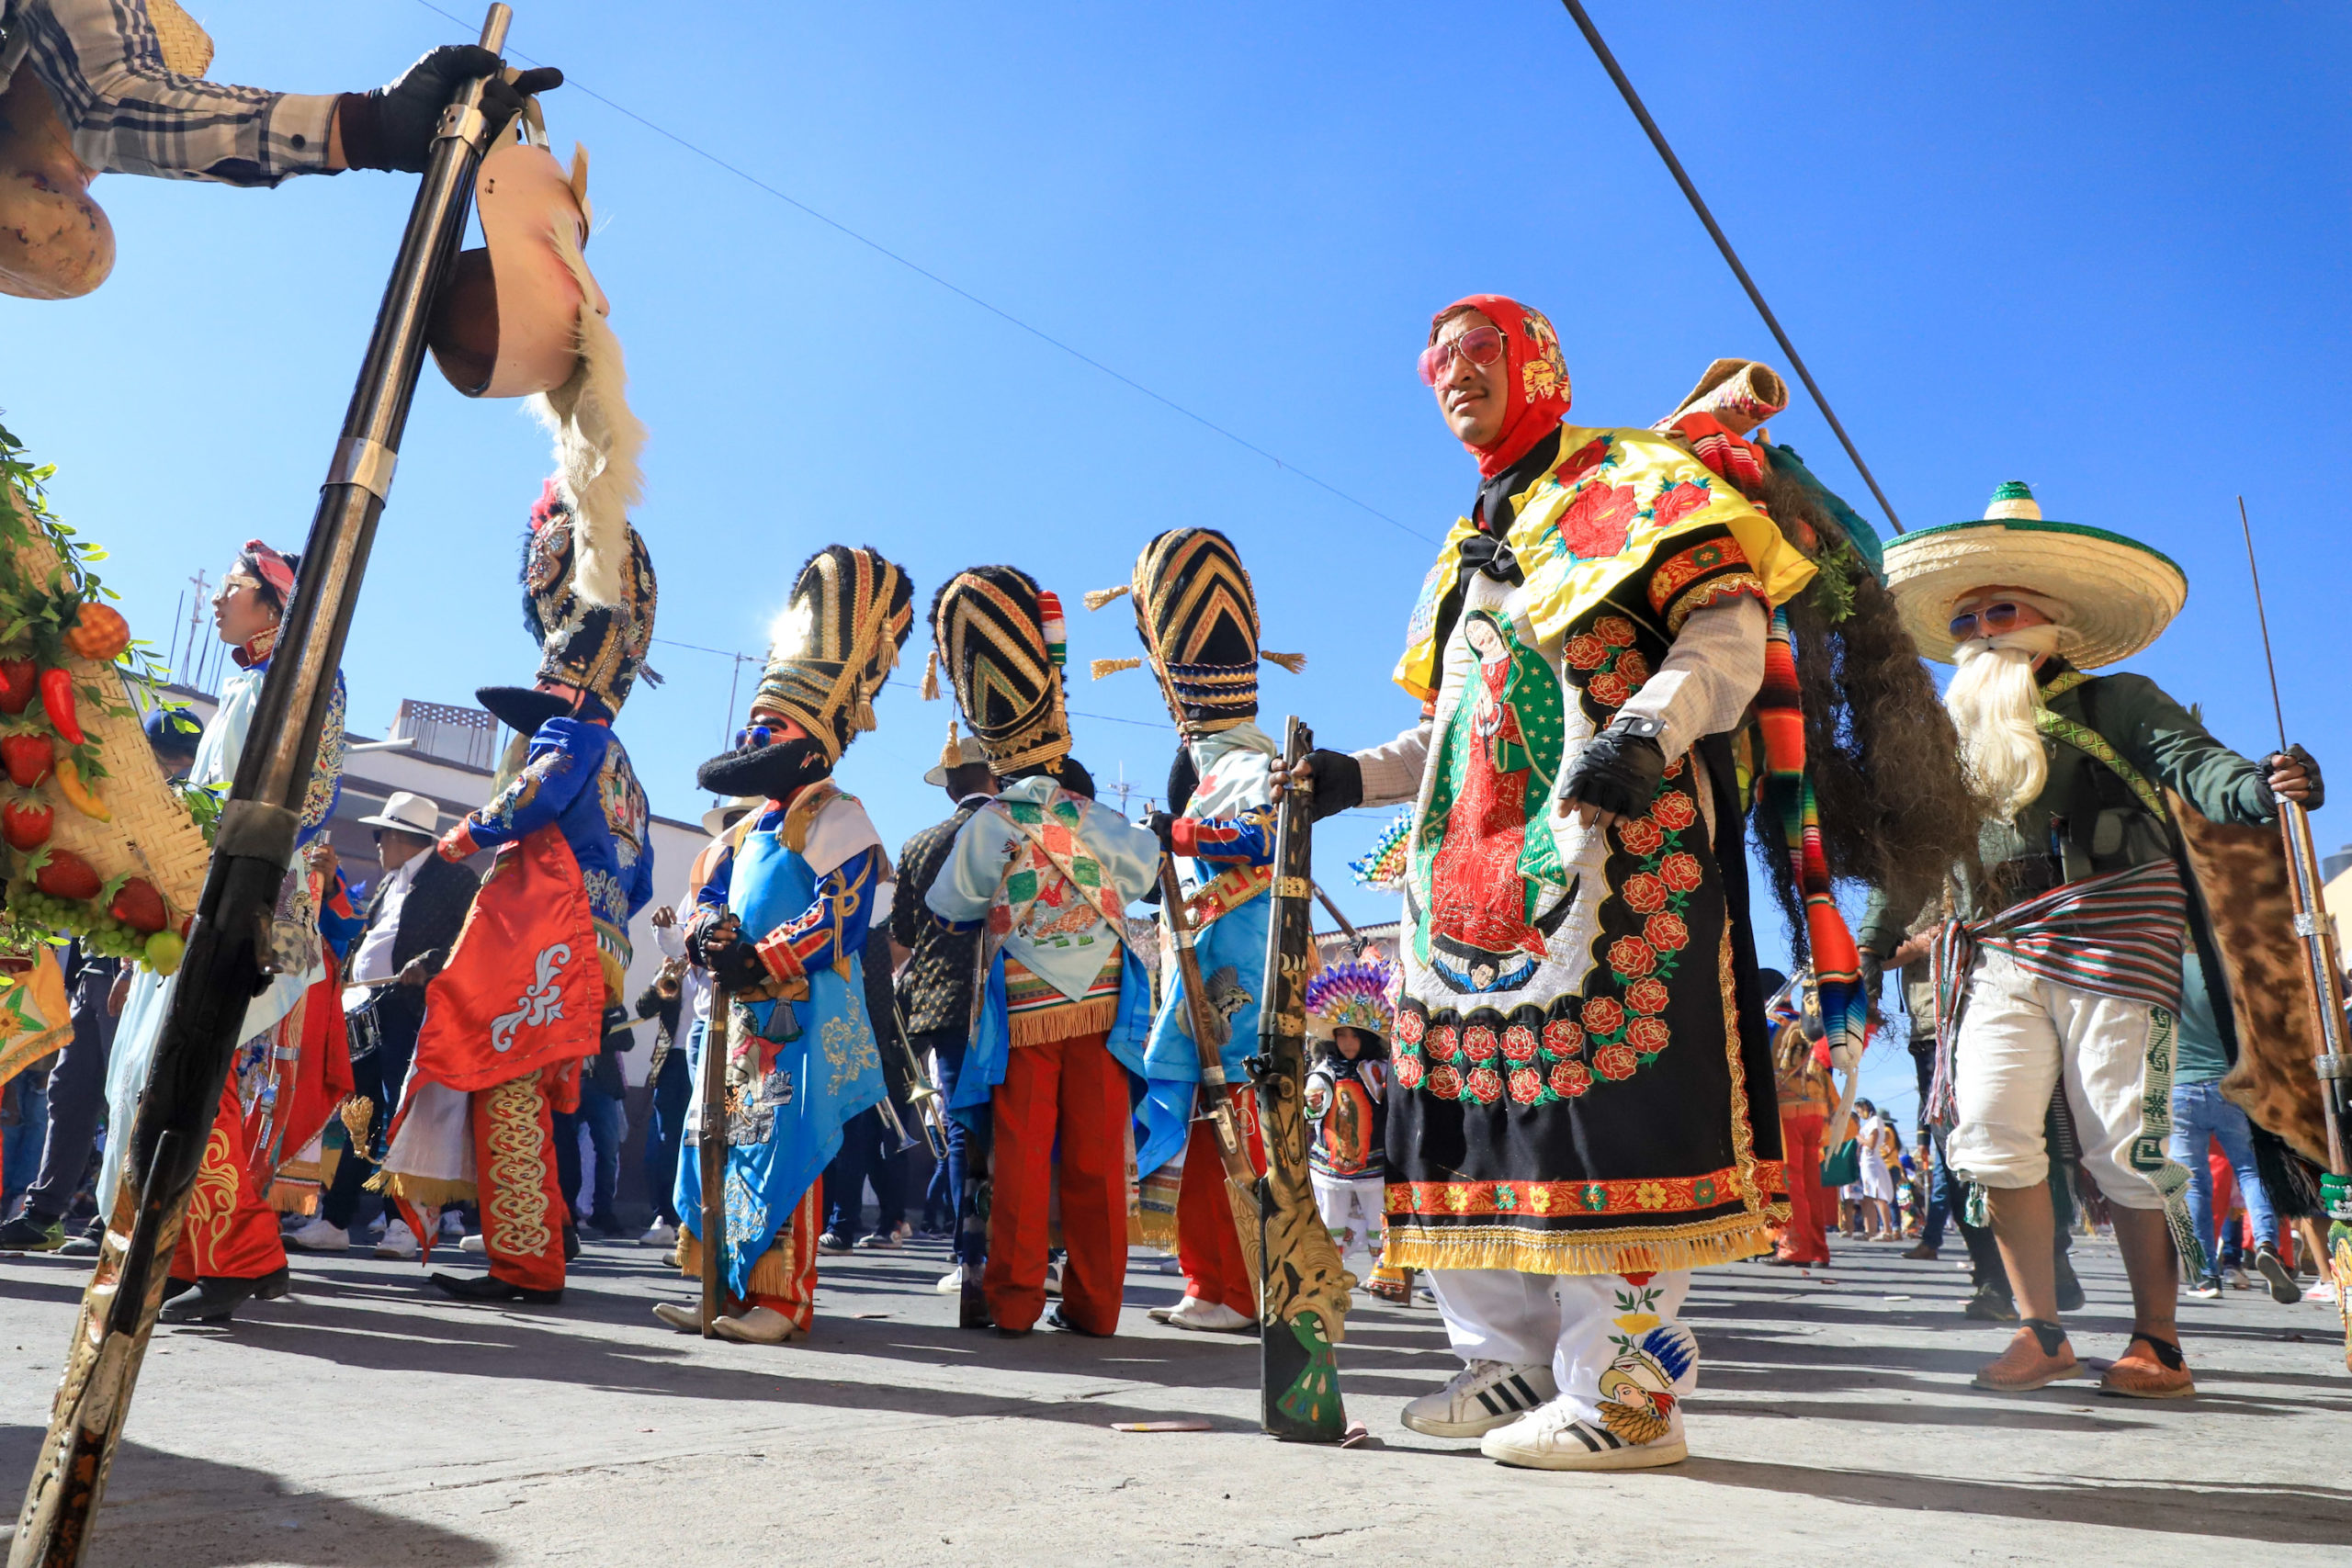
(1045, 875)
(229, 1246)
(1197, 617)
(781, 924)
(545, 948)
(1351, 1008)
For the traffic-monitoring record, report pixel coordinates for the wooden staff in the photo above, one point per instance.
(711, 1155)
(1211, 1030)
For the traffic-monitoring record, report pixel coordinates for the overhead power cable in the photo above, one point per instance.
(572, 84)
(1699, 205)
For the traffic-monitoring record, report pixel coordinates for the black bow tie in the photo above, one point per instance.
(1492, 556)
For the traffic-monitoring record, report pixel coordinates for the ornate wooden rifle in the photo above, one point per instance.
(710, 1155)
(1211, 1030)
(1303, 1289)
(229, 941)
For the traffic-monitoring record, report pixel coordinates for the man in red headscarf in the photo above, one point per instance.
(1582, 1101)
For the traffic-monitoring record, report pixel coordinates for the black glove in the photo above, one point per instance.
(392, 128)
(735, 964)
(709, 930)
(1161, 826)
(2311, 766)
(1339, 783)
(1619, 769)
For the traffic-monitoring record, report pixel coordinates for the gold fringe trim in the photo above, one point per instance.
(1294, 662)
(1098, 597)
(1151, 1227)
(1066, 1022)
(1636, 1250)
(771, 1276)
(422, 1191)
(930, 691)
(1102, 667)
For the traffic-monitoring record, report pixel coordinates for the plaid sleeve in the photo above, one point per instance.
(129, 115)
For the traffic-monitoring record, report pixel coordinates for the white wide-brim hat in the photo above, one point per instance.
(714, 821)
(407, 813)
(2117, 595)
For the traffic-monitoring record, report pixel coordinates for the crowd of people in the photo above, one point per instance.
(1639, 642)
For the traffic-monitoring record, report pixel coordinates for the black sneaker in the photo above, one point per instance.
(27, 1233)
(2266, 1263)
(834, 1241)
(87, 1244)
(1990, 1304)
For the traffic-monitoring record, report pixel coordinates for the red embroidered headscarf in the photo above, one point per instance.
(1537, 382)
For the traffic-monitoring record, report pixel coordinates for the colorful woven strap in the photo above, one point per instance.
(1837, 964)
(2094, 745)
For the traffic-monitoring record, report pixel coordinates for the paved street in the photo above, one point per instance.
(366, 1422)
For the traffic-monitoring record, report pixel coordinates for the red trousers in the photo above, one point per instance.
(1074, 1091)
(1209, 1247)
(230, 1230)
(1811, 1206)
(514, 1176)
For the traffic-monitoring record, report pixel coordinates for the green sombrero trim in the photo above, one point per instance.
(2028, 526)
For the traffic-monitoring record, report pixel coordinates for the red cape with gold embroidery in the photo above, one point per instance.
(524, 988)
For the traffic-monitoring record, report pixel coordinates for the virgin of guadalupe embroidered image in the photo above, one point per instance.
(1490, 870)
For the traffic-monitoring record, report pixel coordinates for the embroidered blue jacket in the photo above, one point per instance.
(848, 899)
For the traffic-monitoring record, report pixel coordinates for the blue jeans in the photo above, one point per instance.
(2200, 1113)
(606, 1121)
(967, 1153)
(673, 1091)
(21, 1143)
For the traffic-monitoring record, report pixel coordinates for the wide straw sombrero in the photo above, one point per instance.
(2118, 595)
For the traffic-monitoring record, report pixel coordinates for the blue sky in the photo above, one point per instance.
(2097, 248)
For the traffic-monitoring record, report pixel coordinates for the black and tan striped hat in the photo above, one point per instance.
(836, 642)
(1001, 637)
(1197, 615)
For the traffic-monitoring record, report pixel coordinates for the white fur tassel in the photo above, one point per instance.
(597, 443)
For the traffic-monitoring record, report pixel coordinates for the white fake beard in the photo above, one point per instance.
(1992, 702)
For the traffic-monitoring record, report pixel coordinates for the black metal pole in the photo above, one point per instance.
(226, 963)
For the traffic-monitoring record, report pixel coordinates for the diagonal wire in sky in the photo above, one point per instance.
(574, 85)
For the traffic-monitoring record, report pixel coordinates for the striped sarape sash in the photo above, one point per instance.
(2119, 935)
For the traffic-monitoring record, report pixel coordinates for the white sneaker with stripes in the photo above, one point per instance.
(1481, 1397)
(1557, 1438)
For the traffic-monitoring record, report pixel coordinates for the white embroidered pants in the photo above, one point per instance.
(1351, 1210)
(1582, 1326)
(2020, 1037)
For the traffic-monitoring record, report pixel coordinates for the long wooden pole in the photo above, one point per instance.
(710, 1153)
(223, 968)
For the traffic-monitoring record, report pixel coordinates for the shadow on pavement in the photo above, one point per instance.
(166, 1507)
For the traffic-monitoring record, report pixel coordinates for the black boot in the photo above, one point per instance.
(215, 1297)
(488, 1287)
(570, 1243)
(2070, 1289)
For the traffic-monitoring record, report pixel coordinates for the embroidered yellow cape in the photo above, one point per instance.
(34, 1019)
(1593, 519)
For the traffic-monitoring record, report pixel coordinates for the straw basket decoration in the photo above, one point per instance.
(147, 832)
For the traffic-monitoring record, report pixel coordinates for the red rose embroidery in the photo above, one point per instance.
(1518, 1042)
(1643, 893)
(1633, 669)
(1680, 871)
(1673, 812)
(1674, 768)
(1478, 1043)
(1563, 1037)
(1647, 1034)
(1608, 689)
(1410, 1023)
(1525, 1086)
(1602, 1015)
(1640, 837)
(1614, 630)
(1615, 1062)
(1647, 996)
(1585, 651)
(1486, 1085)
(1672, 506)
(1445, 1083)
(1589, 456)
(1442, 1044)
(1408, 1072)
(1570, 1079)
(1632, 956)
(1594, 525)
(1665, 933)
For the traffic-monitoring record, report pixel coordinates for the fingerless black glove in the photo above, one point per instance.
(1161, 826)
(1619, 769)
(735, 964)
(2311, 766)
(1338, 783)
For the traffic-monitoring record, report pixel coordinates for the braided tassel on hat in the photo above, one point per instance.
(1102, 667)
(929, 689)
(1294, 662)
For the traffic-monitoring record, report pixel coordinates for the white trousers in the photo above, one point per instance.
(1603, 1336)
(2019, 1038)
(1351, 1210)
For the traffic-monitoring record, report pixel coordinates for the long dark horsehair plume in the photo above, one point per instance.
(1895, 808)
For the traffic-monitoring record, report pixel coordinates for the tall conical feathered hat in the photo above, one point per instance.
(1001, 637)
(1359, 994)
(595, 640)
(828, 653)
(1198, 619)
